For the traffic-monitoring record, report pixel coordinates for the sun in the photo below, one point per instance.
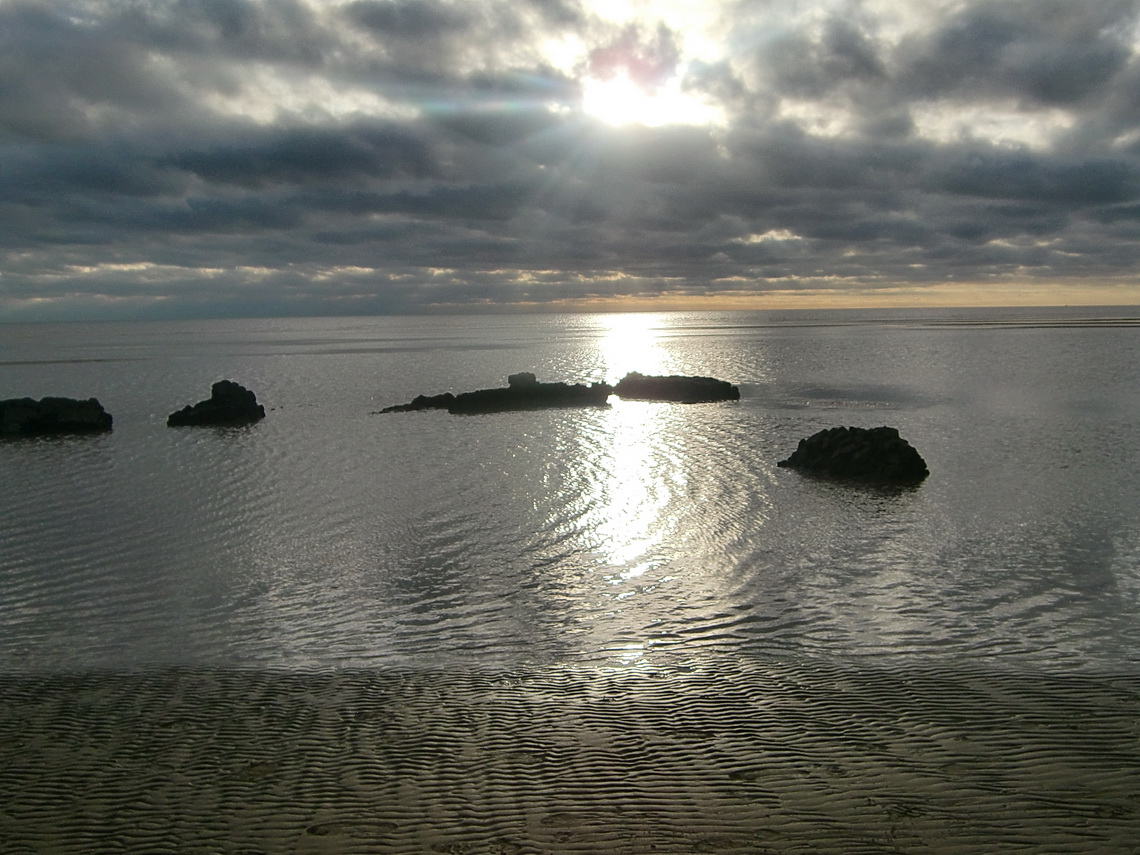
(617, 99)
(637, 77)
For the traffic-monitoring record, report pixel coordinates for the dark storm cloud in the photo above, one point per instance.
(803, 66)
(1071, 183)
(430, 39)
(306, 155)
(286, 31)
(201, 156)
(412, 19)
(54, 68)
(1049, 51)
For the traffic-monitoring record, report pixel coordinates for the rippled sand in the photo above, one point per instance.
(718, 758)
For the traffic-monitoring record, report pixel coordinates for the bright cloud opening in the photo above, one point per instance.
(619, 100)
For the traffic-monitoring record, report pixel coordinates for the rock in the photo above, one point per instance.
(51, 416)
(229, 404)
(524, 392)
(684, 390)
(423, 402)
(531, 396)
(873, 455)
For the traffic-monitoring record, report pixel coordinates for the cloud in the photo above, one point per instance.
(647, 60)
(307, 155)
(286, 156)
(1047, 52)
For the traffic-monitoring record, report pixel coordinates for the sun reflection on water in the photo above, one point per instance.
(636, 501)
(634, 342)
(641, 479)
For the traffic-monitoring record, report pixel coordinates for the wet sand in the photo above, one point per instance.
(740, 758)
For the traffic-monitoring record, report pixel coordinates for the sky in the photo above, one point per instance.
(210, 158)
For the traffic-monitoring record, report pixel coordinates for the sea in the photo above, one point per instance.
(619, 629)
(638, 534)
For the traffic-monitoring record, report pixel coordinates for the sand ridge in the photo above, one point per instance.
(727, 757)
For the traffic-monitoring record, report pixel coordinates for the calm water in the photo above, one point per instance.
(330, 536)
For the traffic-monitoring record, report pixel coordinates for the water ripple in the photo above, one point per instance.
(634, 533)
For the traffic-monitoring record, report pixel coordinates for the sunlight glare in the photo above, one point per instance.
(632, 342)
(619, 100)
(632, 507)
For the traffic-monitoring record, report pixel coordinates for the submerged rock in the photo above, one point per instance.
(229, 404)
(523, 392)
(872, 455)
(683, 390)
(52, 416)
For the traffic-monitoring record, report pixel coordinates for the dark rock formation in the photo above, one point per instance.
(51, 416)
(684, 390)
(524, 392)
(531, 395)
(229, 404)
(872, 455)
(423, 402)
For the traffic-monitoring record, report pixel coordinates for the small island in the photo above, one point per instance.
(52, 417)
(868, 455)
(522, 392)
(675, 388)
(229, 403)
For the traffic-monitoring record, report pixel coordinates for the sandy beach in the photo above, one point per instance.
(747, 758)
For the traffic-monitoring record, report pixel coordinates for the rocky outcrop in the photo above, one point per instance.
(523, 392)
(229, 404)
(871, 455)
(52, 416)
(423, 402)
(683, 390)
